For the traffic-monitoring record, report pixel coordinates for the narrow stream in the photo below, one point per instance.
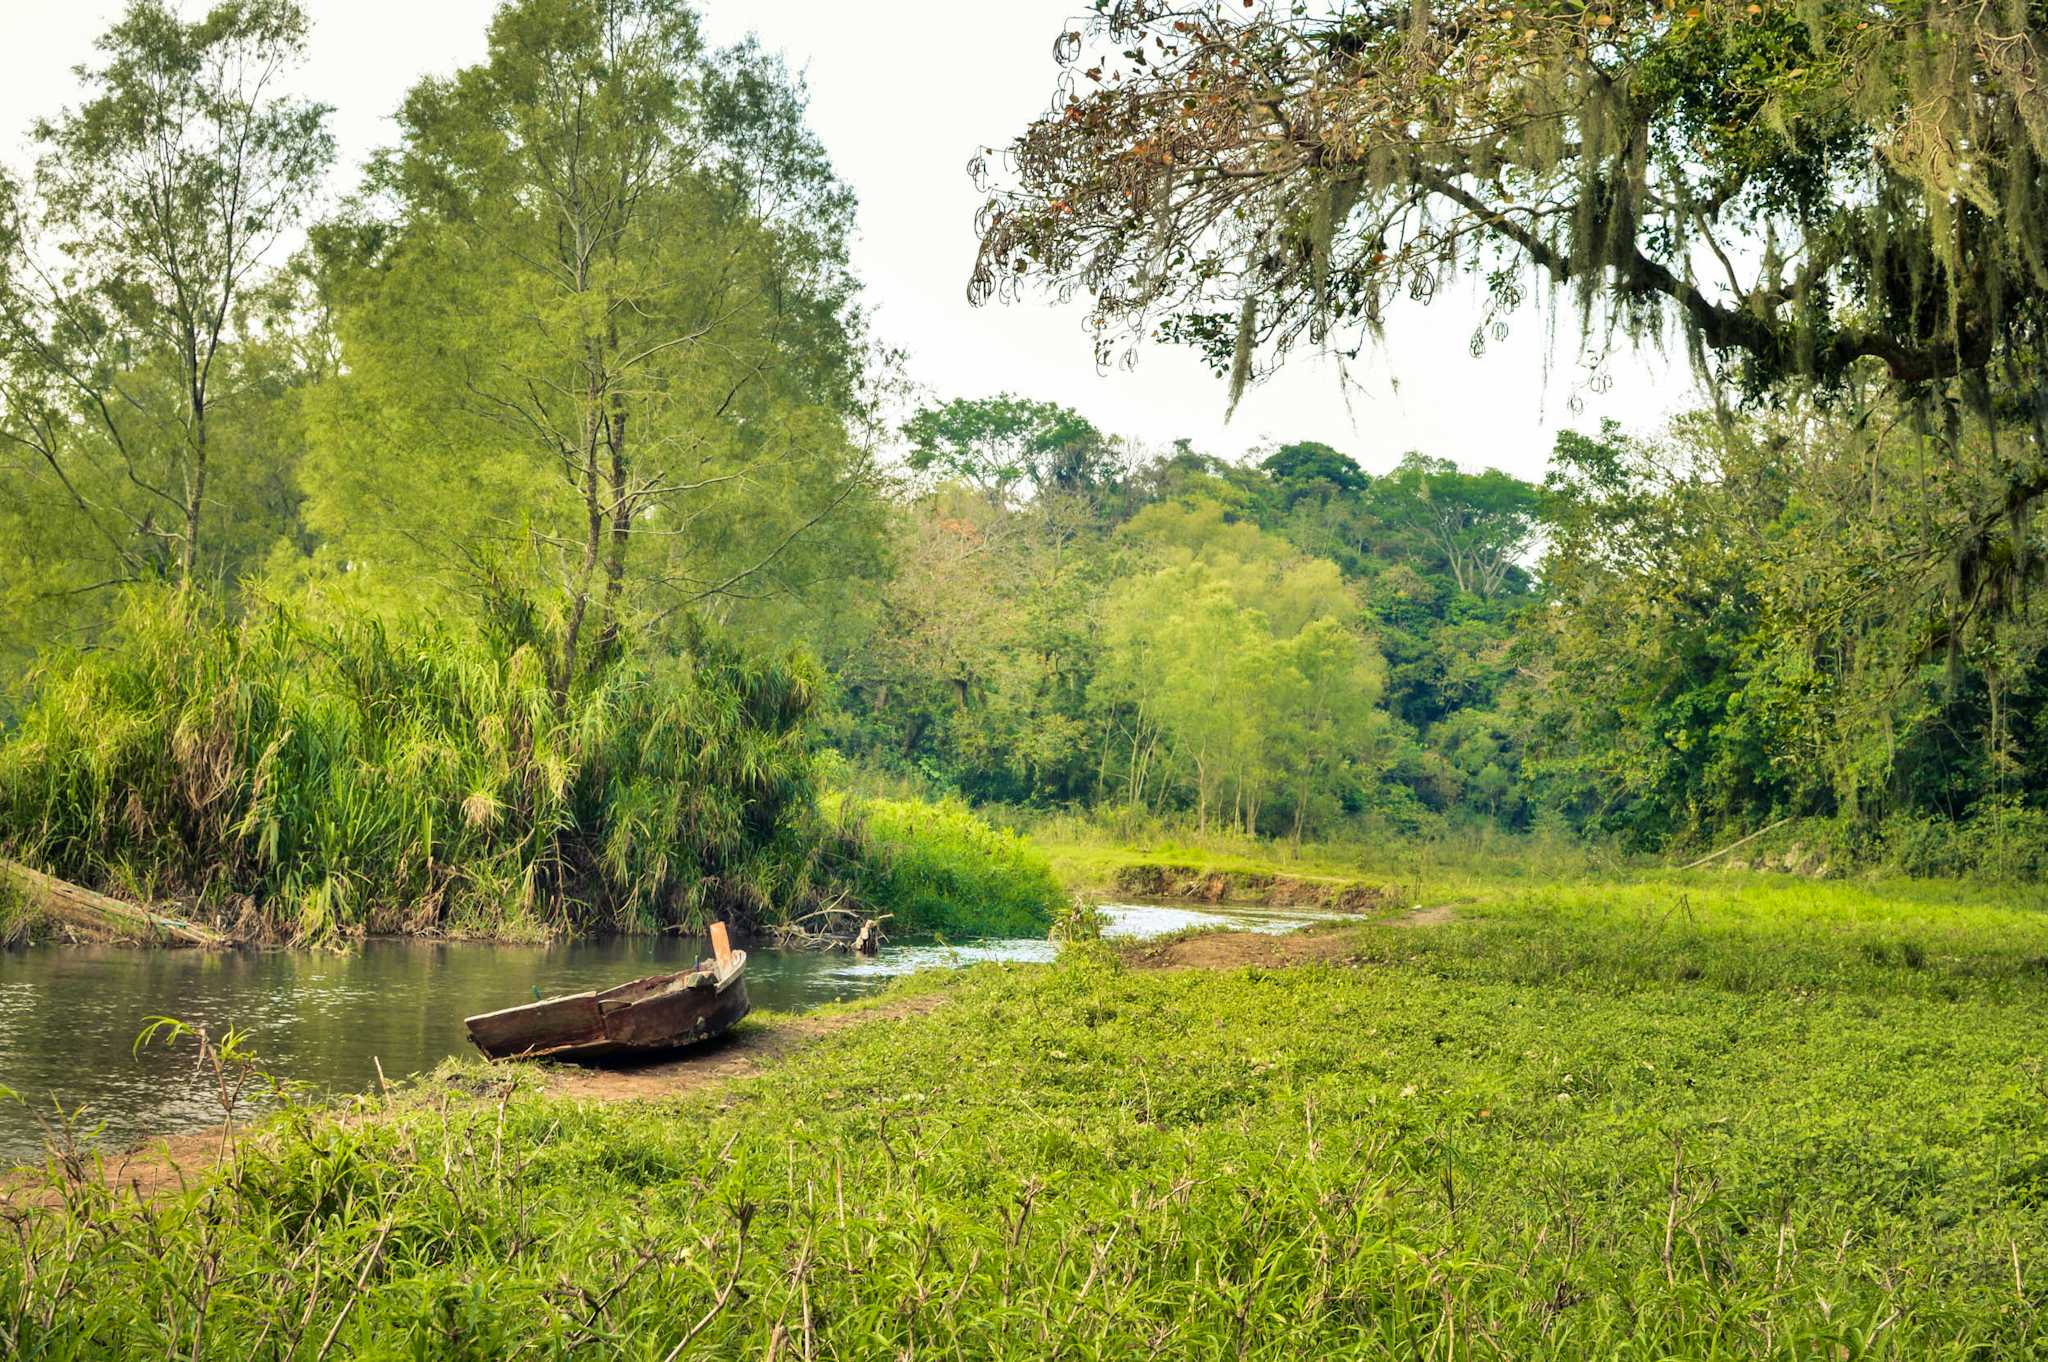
(69, 1015)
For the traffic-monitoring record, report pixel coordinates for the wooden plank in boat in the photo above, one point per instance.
(547, 1025)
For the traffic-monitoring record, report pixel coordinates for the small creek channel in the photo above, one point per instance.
(69, 1015)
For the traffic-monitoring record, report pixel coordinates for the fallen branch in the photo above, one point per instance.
(1717, 855)
(62, 899)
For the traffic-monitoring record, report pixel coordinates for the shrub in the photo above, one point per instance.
(939, 868)
(351, 777)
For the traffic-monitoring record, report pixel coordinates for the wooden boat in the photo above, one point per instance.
(644, 1017)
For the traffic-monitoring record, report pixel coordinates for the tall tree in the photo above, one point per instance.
(1481, 523)
(604, 333)
(1006, 446)
(1809, 192)
(155, 205)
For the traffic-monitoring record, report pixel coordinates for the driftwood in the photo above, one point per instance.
(835, 927)
(70, 903)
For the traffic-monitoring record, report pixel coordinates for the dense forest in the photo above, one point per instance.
(540, 523)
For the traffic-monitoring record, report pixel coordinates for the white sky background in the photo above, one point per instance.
(901, 104)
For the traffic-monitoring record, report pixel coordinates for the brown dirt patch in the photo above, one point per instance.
(1321, 943)
(1427, 917)
(739, 1055)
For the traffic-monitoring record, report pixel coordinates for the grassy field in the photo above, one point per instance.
(1090, 858)
(1681, 1116)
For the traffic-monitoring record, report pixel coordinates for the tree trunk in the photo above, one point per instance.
(621, 513)
(96, 912)
(195, 487)
(621, 531)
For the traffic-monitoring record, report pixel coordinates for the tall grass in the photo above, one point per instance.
(938, 867)
(343, 777)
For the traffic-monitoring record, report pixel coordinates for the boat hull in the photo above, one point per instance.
(645, 1017)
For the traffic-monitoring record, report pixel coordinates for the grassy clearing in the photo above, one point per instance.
(1089, 857)
(1660, 1119)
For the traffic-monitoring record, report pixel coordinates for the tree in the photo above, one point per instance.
(1810, 193)
(1335, 722)
(1481, 523)
(155, 205)
(601, 337)
(1004, 445)
(1310, 468)
(1237, 659)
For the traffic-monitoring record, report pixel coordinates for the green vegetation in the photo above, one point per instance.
(530, 551)
(1707, 1116)
(1715, 635)
(940, 868)
(589, 379)
(18, 920)
(339, 777)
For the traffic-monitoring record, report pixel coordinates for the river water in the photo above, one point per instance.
(69, 1015)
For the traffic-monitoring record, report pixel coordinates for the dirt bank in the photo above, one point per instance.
(1196, 884)
(1324, 943)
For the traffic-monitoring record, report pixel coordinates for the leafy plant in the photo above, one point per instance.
(939, 868)
(338, 775)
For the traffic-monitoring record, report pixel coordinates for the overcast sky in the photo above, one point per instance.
(902, 102)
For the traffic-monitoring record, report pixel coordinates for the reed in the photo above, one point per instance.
(344, 775)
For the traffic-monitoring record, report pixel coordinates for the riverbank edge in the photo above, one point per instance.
(165, 1164)
(23, 923)
(1178, 883)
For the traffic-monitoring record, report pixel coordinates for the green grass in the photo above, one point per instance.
(940, 868)
(19, 919)
(1678, 1117)
(1087, 856)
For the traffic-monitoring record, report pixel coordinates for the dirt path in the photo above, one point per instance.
(740, 1055)
(1427, 917)
(1324, 942)
(1320, 943)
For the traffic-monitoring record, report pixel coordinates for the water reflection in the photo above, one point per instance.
(69, 1015)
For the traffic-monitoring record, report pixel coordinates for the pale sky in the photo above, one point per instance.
(902, 96)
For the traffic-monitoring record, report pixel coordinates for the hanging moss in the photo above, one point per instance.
(1805, 193)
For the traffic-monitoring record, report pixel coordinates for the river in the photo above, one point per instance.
(69, 1015)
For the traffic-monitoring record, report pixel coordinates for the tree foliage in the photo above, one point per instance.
(599, 331)
(127, 269)
(1809, 194)
(1303, 166)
